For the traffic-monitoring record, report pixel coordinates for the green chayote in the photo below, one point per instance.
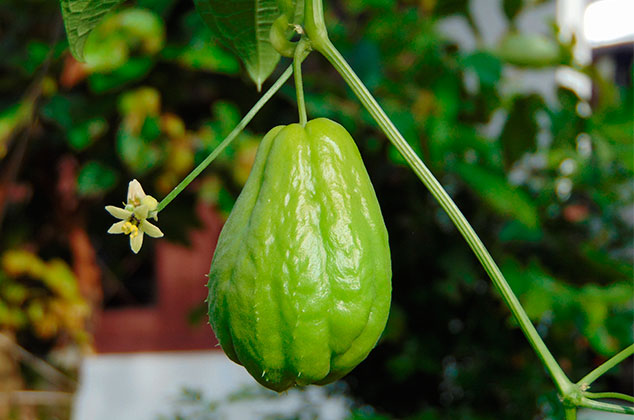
(300, 282)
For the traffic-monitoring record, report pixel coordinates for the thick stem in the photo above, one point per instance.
(570, 413)
(585, 382)
(314, 24)
(232, 136)
(318, 36)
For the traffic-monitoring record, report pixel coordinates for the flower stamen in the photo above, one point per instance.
(130, 229)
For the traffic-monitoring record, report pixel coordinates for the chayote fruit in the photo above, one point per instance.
(299, 287)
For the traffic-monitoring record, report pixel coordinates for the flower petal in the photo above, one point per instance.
(150, 229)
(135, 192)
(141, 212)
(150, 202)
(117, 227)
(119, 213)
(136, 242)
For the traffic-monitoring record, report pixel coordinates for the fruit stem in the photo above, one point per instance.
(300, 52)
(234, 133)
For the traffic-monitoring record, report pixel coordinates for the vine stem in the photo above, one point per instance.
(316, 30)
(587, 380)
(300, 50)
(235, 132)
(601, 406)
(612, 395)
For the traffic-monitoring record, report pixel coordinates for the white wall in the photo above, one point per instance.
(144, 386)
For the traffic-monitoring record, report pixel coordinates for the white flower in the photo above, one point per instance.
(134, 216)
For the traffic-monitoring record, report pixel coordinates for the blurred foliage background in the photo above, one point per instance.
(545, 180)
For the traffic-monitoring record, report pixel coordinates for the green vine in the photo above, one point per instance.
(611, 395)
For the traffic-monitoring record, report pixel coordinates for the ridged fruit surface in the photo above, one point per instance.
(299, 287)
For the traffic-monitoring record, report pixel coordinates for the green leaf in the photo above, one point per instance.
(162, 7)
(512, 8)
(501, 197)
(83, 135)
(95, 178)
(451, 7)
(487, 66)
(519, 135)
(407, 123)
(13, 119)
(590, 307)
(36, 53)
(514, 231)
(133, 70)
(201, 52)
(139, 154)
(80, 18)
(244, 25)
(227, 115)
(204, 56)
